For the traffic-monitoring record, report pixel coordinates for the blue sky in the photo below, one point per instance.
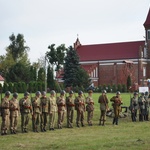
(44, 22)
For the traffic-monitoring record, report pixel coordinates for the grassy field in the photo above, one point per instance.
(127, 135)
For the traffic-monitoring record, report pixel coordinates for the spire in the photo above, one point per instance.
(147, 22)
(77, 43)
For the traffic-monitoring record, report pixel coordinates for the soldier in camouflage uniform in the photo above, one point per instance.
(14, 112)
(53, 109)
(61, 104)
(25, 109)
(5, 113)
(103, 100)
(80, 108)
(70, 109)
(117, 101)
(36, 107)
(147, 104)
(89, 107)
(45, 107)
(142, 109)
(134, 106)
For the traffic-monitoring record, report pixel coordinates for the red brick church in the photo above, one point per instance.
(112, 63)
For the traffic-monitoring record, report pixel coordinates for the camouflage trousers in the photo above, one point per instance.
(70, 113)
(80, 117)
(5, 123)
(13, 122)
(61, 115)
(89, 117)
(52, 117)
(44, 120)
(36, 121)
(103, 115)
(24, 121)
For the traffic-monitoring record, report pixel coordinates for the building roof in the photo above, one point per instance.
(1, 78)
(110, 51)
(147, 22)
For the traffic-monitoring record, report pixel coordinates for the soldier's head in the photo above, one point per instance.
(104, 92)
(80, 93)
(38, 93)
(43, 93)
(118, 93)
(146, 93)
(90, 92)
(26, 94)
(7, 93)
(52, 92)
(142, 94)
(62, 92)
(15, 95)
(135, 94)
(71, 92)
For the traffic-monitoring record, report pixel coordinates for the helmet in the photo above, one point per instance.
(118, 93)
(71, 92)
(52, 92)
(135, 93)
(38, 93)
(43, 93)
(104, 91)
(80, 92)
(90, 91)
(7, 93)
(62, 92)
(142, 93)
(26, 94)
(15, 95)
(146, 93)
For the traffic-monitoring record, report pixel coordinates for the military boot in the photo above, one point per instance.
(114, 120)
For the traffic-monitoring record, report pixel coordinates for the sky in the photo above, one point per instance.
(46, 22)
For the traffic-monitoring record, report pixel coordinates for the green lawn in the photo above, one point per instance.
(127, 135)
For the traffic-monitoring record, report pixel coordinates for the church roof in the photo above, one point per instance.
(147, 22)
(110, 51)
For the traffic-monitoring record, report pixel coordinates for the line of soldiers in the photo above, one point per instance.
(141, 103)
(41, 107)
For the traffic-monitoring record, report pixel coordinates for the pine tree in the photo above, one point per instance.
(74, 75)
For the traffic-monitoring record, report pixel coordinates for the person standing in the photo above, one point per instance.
(80, 108)
(103, 100)
(14, 112)
(45, 108)
(53, 109)
(142, 107)
(5, 113)
(25, 109)
(147, 104)
(117, 101)
(36, 106)
(61, 104)
(70, 109)
(134, 106)
(89, 107)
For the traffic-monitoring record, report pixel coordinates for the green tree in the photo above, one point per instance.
(10, 86)
(5, 87)
(119, 87)
(50, 78)
(74, 75)
(41, 74)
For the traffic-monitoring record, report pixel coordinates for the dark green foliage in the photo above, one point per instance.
(33, 73)
(99, 88)
(50, 78)
(10, 87)
(24, 87)
(124, 88)
(41, 75)
(109, 88)
(114, 88)
(5, 87)
(15, 87)
(119, 87)
(74, 75)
